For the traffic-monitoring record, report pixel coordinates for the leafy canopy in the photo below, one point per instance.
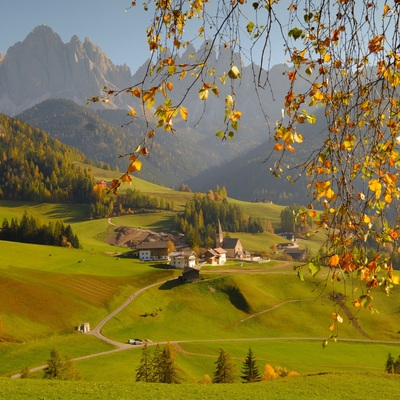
(343, 57)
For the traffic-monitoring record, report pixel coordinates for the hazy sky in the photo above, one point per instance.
(120, 34)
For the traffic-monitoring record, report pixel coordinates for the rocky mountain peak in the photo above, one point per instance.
(42, 66)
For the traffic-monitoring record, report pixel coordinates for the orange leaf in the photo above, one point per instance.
(126, 178)
(333, 260)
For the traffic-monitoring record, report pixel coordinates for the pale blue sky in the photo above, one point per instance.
(120, 33)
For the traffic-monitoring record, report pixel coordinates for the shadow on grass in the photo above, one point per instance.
(69, 212)
(171, 284)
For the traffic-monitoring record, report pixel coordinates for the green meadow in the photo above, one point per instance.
(47, 291)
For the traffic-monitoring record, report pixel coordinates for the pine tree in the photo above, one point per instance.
(225, 371)
(396, 366)
(60, 369)
(144, 372)
(389, 364)
(170, 373)
(25, 373)
(156, 365)
(250, 370)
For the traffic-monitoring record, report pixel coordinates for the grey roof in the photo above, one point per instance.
(153, 245)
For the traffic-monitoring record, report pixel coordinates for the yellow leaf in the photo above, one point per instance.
(386, 9)
(170, 86)
(203, 94)
(376, 187)
(327, 57)
(332, 327)
(183, 111)
(395, 279)
(234, 73)
(138, 165)
(132, 112)
(367, 219)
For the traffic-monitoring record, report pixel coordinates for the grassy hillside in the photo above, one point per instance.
(329, 387)
(47, 291)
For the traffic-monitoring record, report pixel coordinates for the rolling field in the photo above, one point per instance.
(346, 386)
(47, 291)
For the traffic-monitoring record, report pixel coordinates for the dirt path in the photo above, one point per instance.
(97, 330)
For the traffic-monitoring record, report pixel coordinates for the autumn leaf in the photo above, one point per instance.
(234, 73)
(203, 94)
(333, 261)
(376, 187)
(132, 112)
(126, 178)
(183, 111)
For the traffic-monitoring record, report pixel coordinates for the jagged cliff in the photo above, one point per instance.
(43, 67)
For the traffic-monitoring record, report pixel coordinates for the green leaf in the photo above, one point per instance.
(220, 134)
(295, 33)
(300, 274)
(230, 135)
(314, 269)
(250, 27)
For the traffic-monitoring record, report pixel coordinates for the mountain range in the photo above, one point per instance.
(46, 83)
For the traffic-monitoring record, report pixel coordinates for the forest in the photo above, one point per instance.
(30, 230)
(34, 167)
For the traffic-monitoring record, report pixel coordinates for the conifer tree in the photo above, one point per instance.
(225, 371)
(144, 372)
(389, 364)
(156, 365)
(396, 366)
(59, 368)
(170, 372)
(250, 370)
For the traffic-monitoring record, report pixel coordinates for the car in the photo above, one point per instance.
(135, 341)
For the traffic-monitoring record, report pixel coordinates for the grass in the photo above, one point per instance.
(43, 297)
(329, 387)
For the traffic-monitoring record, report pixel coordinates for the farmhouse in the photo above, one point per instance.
(154, 251)
(215, 256)
(182, 259)
(296, 253)
(190, 275)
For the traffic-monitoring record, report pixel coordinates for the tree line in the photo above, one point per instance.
(30, 230)
(201, 215)
(392, 366)
(160, 367)
(133, 200)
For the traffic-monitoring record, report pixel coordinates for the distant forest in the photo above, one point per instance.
(29, 230)
(200, 219)
(34, 167)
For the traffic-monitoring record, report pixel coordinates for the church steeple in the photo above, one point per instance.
(219, 240)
